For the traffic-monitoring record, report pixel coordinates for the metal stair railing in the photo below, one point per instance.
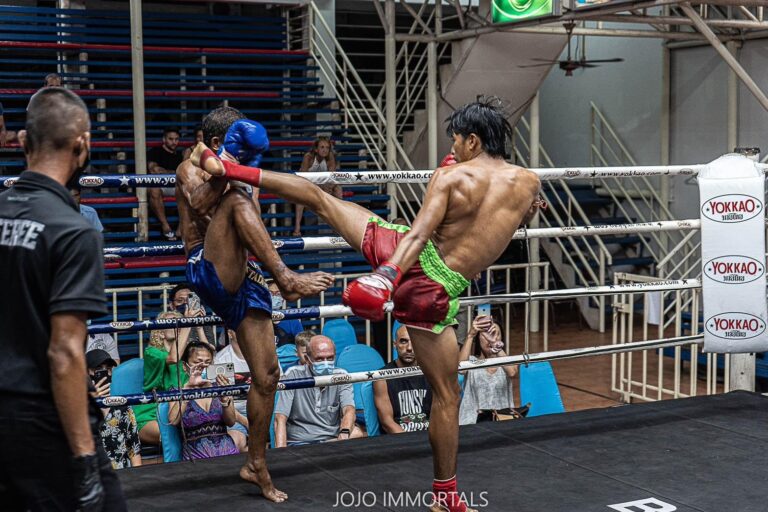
(365, 118)
(574, 213)
(641, 199)
(570, 247)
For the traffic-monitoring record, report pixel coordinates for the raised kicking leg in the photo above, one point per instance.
(347, 218)
(236, 227)
(257, 341)
(438, 356)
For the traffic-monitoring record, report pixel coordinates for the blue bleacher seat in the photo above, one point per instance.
(538, 387)
(170, 436)
(128, 378)
(341, 332)
(369, 410)
(359, 358)
(287, 356)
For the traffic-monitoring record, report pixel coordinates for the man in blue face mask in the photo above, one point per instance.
(315, 415)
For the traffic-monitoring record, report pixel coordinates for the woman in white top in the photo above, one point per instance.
(318, 159)
(489, 388)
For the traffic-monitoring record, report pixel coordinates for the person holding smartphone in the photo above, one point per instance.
(118, 431)
(204, 420)
(488, 389)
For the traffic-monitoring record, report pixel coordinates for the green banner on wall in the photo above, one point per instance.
(504, 11)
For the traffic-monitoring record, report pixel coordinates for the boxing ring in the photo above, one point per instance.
(635, 457)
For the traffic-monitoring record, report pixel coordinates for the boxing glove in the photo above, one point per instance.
(449, 159)
(368, 294)
(90, 491)
(246, 140)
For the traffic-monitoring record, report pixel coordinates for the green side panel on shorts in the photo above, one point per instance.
(384, 224)
(453, 282)
(435, 268)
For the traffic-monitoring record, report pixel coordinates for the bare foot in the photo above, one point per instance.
(260, 476)
(294, 286)
(207, 160)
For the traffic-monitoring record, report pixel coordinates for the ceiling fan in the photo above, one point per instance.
(569, 65)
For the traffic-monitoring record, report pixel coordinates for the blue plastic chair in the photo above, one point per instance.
(538, 387)
(359, 358)
(128, 378)
(287, 356)
(341, 332)
(170, 436)
(370, 412)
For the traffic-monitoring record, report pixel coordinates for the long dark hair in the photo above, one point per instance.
(485, 119)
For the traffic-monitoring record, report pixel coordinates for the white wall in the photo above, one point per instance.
(628, 93)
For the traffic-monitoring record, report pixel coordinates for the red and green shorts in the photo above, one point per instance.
(427, 297)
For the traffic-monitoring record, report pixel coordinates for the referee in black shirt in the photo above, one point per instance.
(51, 457)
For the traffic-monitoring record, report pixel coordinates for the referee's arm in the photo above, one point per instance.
(69, 379)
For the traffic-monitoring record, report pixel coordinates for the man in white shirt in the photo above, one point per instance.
(103, 342)
(232, 354)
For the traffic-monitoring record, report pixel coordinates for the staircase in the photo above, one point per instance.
(587, 260)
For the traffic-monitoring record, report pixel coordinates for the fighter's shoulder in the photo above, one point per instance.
(521, 174)
(187, 170)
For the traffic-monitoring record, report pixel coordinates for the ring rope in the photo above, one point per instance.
(334, 242)
(338, 310)
(396, 373)
(397, 176)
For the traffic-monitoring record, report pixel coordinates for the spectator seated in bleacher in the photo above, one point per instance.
(319, 414)
(119, 433)
(198, 138)
(403, 405)
(487, 392)
(162, 372)
(302, 342)
(285, 330)
(186, 302)
(205, 420)
(105, 342)
(164, 159)
(232, 354)
(320, 158)
(86, 211)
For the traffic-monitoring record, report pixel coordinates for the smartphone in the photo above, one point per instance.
(193, 302)
(100, 374)
(483, 310)
(225, 369)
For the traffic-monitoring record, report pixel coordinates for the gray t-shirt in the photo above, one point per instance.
(314, 414)
(484, 391)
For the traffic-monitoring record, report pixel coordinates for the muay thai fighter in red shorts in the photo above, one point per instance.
(470, 213)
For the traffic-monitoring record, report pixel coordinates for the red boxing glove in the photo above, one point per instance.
(449, 159)
(368, 294)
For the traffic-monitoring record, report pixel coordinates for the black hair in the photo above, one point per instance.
(55, 117)
(218, 121)
(50, 75)
(485, 119)
(170, 129)
(194, 345)
(176, 289)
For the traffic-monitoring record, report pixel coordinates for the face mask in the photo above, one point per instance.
(277, 302)
(74, 181)
(324, 367)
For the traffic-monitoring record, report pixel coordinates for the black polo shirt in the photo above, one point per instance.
(166, 160)
(52, 261)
